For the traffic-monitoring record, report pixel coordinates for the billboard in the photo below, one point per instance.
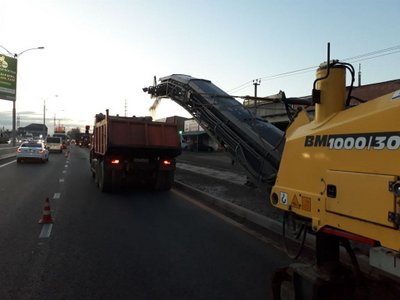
(8, 77)
(59, 129)
(192, 126)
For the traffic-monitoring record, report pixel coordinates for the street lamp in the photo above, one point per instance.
(16, 55)
(37, 48)
(44, 108)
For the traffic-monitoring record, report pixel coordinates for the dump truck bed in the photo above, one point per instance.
(132, 133)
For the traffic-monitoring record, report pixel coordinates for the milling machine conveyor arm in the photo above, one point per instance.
(256, 144)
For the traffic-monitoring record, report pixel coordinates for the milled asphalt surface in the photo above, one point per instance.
(214, 174)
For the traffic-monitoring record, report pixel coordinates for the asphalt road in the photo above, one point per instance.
(137, 244)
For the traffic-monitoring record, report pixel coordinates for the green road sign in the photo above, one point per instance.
(8, 77)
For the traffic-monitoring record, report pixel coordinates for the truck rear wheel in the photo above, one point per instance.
(105, 183)
(96, 174)
(116, 180)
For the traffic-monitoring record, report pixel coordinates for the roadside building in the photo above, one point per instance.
(177, 120)
(195, 138)
(36, 130)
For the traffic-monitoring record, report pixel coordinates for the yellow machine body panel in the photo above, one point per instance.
(366, 186)
(337, 170)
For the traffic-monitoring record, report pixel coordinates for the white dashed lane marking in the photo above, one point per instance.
(46, 231)
(46, 228)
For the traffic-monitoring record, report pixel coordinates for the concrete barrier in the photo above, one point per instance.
(7, 152)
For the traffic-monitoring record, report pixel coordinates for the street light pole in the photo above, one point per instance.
(44, 108)
(36, 48)
(9, 53)
(16, 55)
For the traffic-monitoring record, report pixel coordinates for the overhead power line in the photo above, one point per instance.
(353, 59)
(374, 53)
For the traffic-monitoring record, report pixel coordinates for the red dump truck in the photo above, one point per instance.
(133, 150)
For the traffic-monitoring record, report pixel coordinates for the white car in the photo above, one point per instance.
(32, 151)
(54, 144)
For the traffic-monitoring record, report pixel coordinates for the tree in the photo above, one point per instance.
(74, 133)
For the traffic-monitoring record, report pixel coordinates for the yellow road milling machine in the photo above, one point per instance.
(335, 174)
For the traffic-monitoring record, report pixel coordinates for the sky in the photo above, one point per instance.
(99, 54)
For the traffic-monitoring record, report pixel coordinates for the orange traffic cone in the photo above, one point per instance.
(46, 218)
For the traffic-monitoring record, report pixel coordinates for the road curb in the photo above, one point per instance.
(242, 212)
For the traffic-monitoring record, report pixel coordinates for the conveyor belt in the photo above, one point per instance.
(256, 144)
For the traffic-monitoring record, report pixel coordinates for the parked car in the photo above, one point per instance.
(32, 151)
(54, 144)
(185, 145)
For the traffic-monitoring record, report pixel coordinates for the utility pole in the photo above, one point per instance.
(359, 74)
(44, 112)
(126, 107)
(44, 108)
(256, 82)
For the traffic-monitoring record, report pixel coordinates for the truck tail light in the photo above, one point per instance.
(115, 161)
(166, 162)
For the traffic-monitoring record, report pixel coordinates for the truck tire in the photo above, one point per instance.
(93, 167)
(116, 180)
(96, 174)
(105, 184)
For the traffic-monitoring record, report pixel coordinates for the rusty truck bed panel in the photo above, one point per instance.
(116, 132)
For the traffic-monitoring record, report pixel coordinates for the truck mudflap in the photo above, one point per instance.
(104, 178)
(164, 180)
(166, 174)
